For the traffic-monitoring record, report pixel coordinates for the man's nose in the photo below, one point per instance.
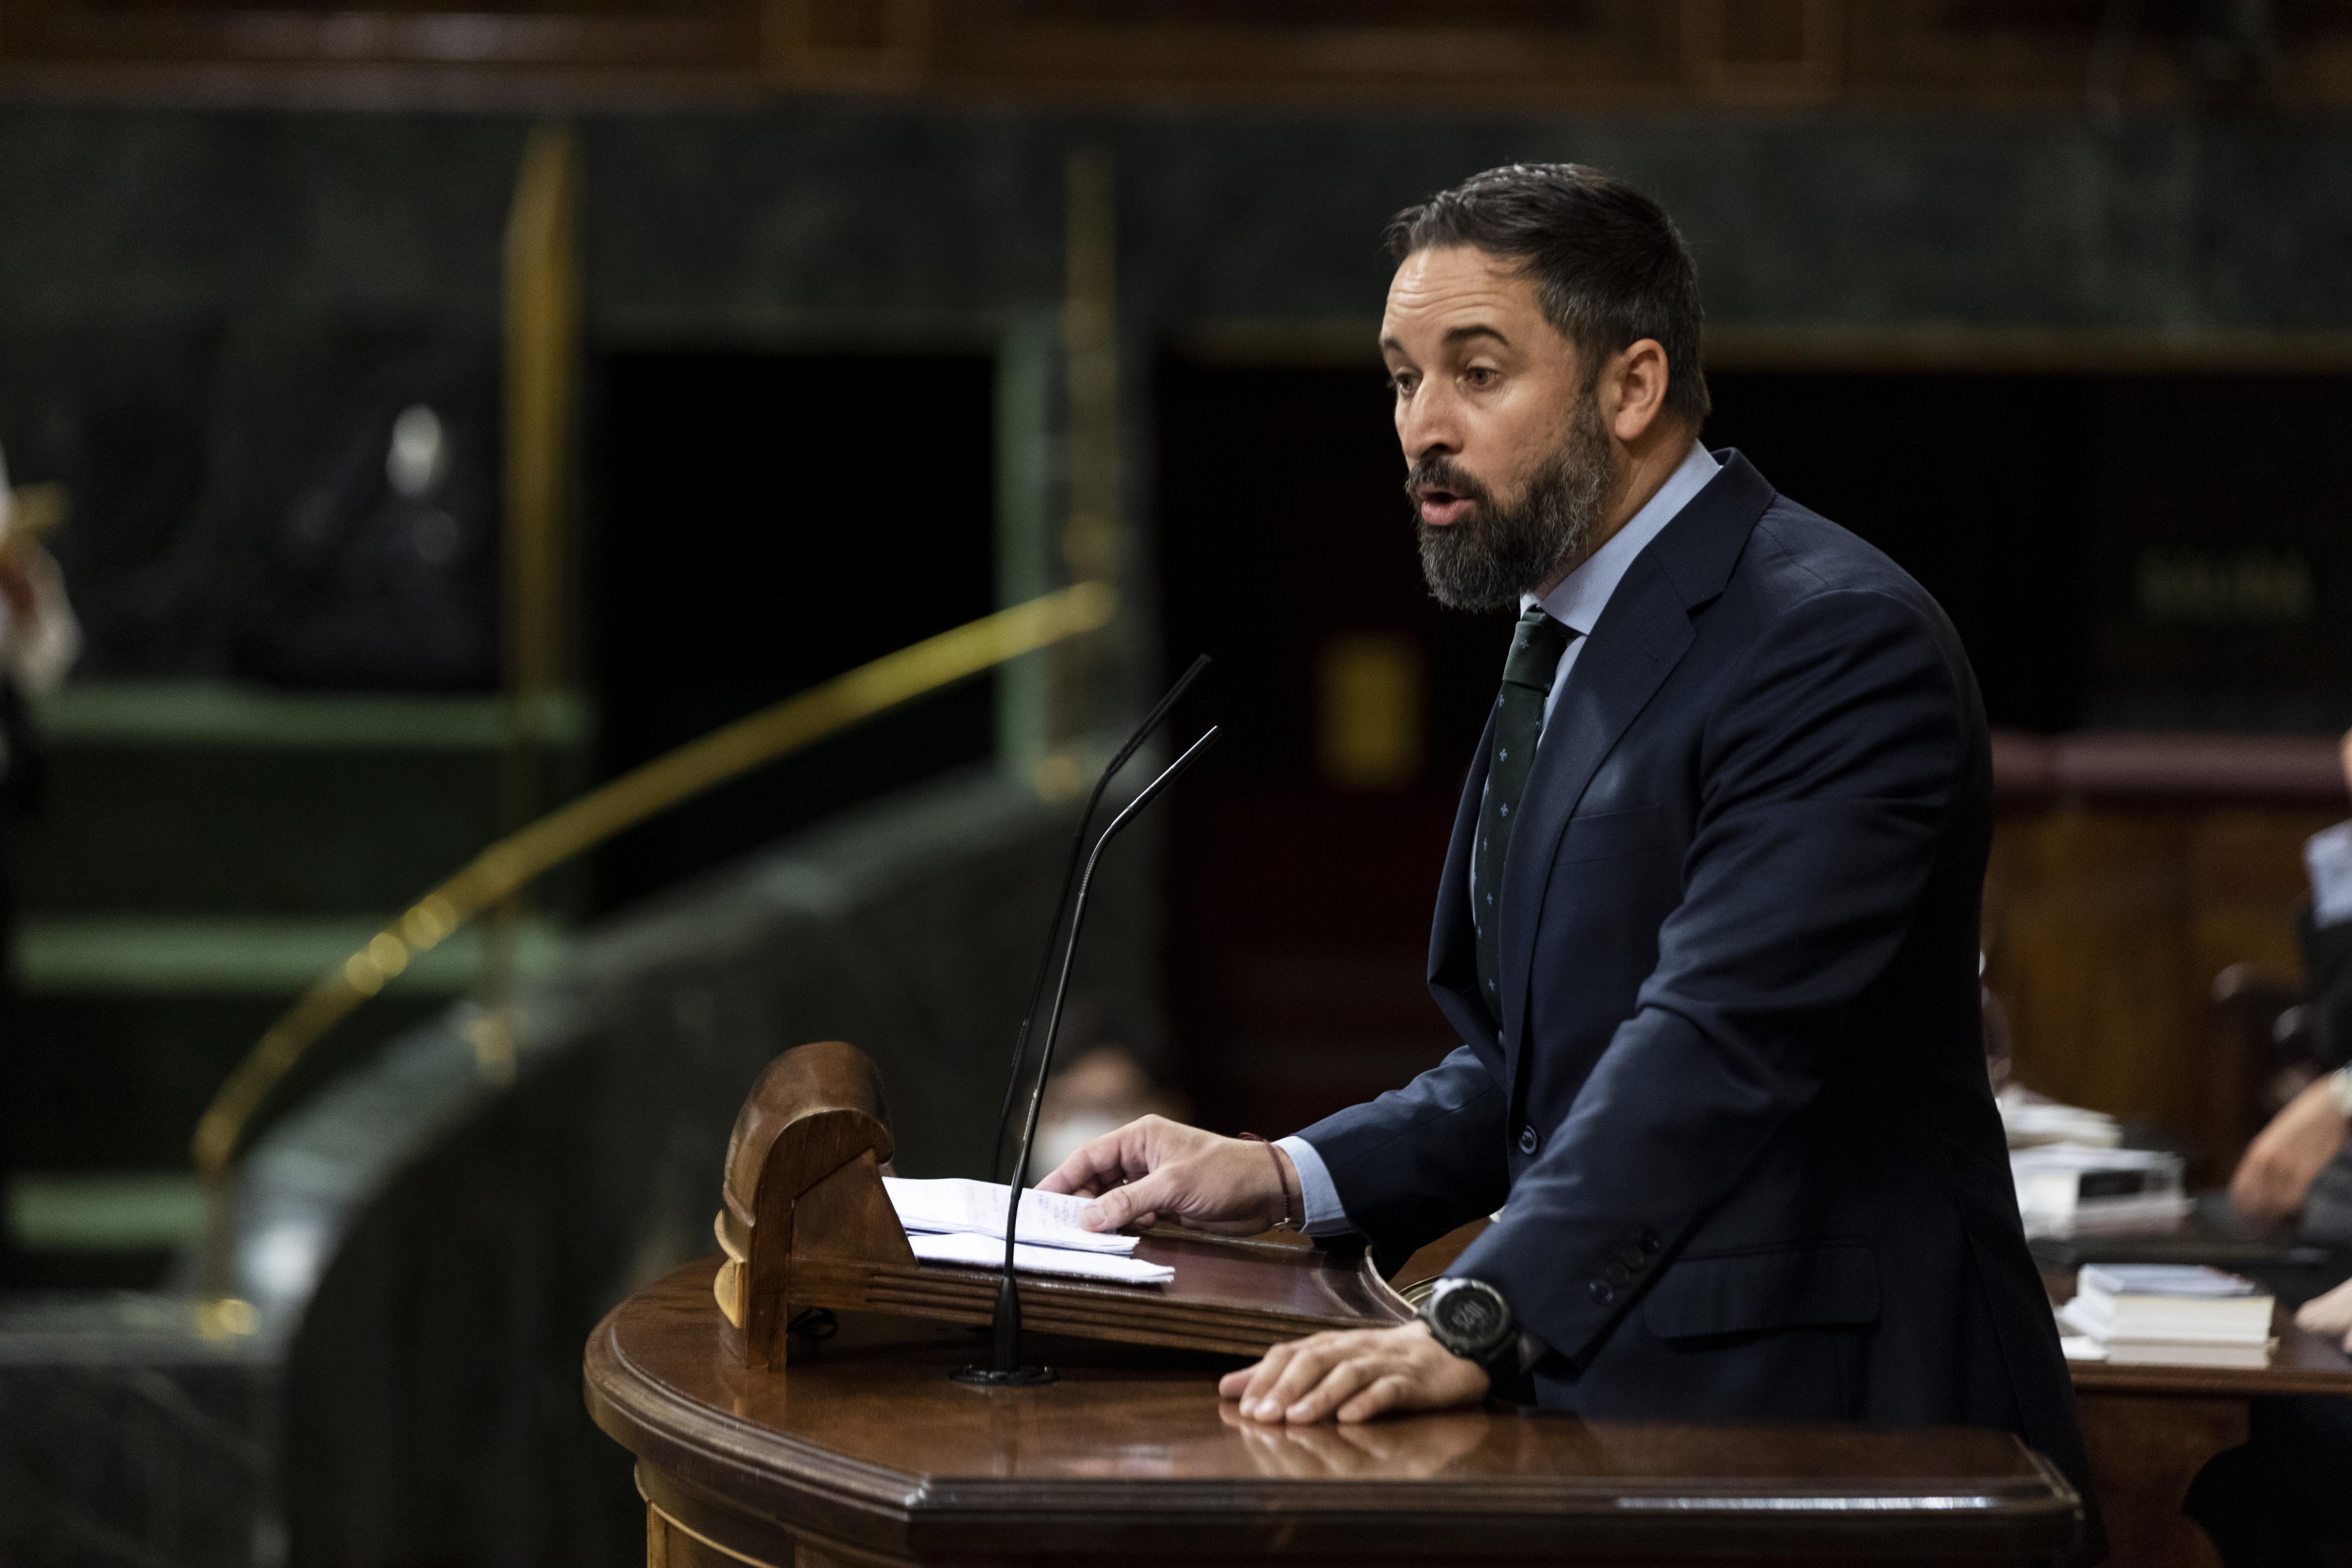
(1429, 426)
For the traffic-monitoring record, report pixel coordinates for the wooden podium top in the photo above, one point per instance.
(863, 1451)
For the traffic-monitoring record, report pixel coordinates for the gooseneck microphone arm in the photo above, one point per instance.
(1006, 1368)
(1143, 732)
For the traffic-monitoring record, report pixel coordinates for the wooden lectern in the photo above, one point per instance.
(806, 1224)
(864, 1452)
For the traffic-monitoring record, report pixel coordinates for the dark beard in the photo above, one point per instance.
(1485, 560)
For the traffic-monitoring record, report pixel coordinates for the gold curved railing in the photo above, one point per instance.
(508, 865)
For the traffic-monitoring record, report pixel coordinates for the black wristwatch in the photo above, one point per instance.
(1470, 1318)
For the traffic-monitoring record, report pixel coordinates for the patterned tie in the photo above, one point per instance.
(1527, 676)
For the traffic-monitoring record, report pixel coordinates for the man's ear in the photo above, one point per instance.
(1634, 389)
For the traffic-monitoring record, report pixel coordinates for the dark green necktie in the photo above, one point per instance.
(1527, 676)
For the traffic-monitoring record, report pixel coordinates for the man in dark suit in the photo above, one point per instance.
(1708, 926)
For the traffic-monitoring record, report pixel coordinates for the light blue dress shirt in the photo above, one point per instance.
(1577, 602)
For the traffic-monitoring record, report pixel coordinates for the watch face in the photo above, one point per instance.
(1472, 1316)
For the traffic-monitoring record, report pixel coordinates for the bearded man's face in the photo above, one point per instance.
(1511, 466)
(1493, 551)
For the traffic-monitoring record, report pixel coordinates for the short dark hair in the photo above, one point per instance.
(1609, 266)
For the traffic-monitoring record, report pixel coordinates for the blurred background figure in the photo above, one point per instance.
(39, 640)
(1104, 1087)
(384, 576)
(2299, 1164)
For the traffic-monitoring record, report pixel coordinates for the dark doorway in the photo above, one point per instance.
(766, 522)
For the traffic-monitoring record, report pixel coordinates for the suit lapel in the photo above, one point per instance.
(1640, 637)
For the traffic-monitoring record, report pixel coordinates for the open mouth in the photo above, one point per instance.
(1440, 506)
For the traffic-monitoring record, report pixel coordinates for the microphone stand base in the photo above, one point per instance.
(1005, 1376)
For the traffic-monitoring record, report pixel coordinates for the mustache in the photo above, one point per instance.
(1444, 474)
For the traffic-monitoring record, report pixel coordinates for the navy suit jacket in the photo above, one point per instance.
(1736, 1116)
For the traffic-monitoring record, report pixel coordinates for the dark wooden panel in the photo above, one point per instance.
(2144, 1452)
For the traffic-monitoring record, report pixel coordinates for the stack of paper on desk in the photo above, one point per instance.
(2067, 1189)
(954, 1220)
(2153, 1314)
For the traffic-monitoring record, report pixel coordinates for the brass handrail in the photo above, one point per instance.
(643, 791)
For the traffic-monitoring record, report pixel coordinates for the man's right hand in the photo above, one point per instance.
(1154, 1168)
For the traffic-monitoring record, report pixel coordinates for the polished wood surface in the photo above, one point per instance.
(864, 1451)
(806, 1222)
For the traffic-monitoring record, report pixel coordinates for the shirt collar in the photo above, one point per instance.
(1584, 593)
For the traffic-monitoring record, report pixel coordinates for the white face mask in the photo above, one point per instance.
(418, 457)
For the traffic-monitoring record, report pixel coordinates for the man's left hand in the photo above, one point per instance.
(1354, 1376)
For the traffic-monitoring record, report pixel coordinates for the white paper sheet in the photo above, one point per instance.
(988, 1252)
(954, 1204)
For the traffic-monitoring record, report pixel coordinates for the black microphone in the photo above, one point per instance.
(1143, 732)
(1006, 1369)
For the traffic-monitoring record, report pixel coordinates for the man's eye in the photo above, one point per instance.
(1401, 385)
(1482, 375)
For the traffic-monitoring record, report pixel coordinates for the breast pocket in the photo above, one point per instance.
(1606, 834)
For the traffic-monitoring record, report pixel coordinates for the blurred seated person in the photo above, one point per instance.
(2299, 1164)
(2285, 1497)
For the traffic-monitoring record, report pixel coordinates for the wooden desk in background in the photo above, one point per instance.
(2149, 1429)
(863, 1452)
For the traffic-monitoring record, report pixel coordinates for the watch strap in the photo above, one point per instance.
(1501, 1365)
